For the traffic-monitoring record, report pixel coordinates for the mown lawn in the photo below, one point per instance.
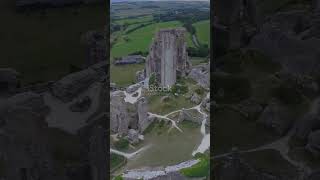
(203, 31)
(42, 45)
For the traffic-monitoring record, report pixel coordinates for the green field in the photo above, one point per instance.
(134, 20)
(125, 74)
(140, 39)
(42, 45)
(203, 31)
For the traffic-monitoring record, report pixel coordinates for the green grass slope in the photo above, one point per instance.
(203, 31)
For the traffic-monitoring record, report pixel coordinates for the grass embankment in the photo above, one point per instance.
(203, 31)
(124, 75)
(43, 44)
(116, 161)
(201, 169)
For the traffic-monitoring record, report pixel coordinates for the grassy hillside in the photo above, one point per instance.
(140, 39)
(203, 31)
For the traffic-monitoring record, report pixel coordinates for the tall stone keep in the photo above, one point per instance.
(168, 56)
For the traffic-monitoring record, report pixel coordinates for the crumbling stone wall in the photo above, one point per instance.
(168, 56)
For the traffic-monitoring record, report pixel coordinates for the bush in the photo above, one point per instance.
(142, 53)
(118, 178)
(202, 51)
(179, 88)
(122, 144)
(153, 80)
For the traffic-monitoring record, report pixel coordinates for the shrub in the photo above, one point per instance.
(122, 144)
(179, 88)
(118, 178)
(153, 80)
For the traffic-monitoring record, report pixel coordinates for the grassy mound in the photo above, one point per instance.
(201, 169)
(116, 161)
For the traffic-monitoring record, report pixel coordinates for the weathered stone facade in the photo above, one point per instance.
(168, 57)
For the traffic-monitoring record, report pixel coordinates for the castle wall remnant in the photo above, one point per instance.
(168, 56)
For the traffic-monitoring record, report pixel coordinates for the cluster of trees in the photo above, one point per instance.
(138, 27)
(142, 53)
(115, 27)
(202, 51)
(189, 15)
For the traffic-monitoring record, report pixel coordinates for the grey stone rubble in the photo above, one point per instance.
(169, 172)
(133, 136)
(195, 98)
(132, 59)
(28, 145)
(68, 87)
(133, 88)
(140, 76)
(143, 121)
(120, 115)
(201, 74)
(168, 57)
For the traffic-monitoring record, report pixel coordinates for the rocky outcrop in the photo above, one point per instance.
(133, 88)
(195, 98)
(72, 85)
(168, 56)
(201, 74)
(186, 115)
(133, 136)
(143, 121)
(122, 114)
(140, 76)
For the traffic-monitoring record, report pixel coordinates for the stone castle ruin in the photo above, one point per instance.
(168, 57)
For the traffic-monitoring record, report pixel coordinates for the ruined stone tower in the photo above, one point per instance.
(168, 56)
